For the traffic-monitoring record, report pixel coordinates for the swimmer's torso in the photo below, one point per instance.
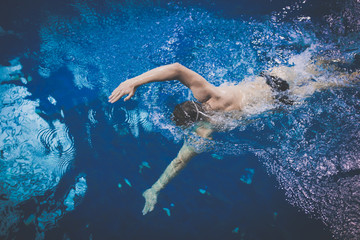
(239, 97)
(255, 95)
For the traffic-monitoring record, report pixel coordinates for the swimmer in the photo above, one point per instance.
(282, 85)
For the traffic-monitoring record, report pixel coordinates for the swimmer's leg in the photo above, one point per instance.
(341, 80)
(333, 79)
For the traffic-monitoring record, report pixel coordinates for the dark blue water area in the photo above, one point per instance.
(230, 208)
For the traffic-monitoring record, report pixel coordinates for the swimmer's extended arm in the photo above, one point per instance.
(201, 89)
(185, 154)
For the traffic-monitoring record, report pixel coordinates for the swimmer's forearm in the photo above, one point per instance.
(159, 74)
(170, 172)
(163, 73)
(201, 89)
(186, 153)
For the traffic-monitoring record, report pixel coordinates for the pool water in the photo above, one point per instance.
(74, 166)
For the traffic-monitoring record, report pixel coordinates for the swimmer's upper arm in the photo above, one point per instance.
(201, 88)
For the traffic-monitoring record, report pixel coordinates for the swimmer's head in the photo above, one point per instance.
(187, 113)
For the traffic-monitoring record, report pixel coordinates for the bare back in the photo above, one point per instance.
(254, 93)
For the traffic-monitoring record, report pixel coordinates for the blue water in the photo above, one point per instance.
(74, 166)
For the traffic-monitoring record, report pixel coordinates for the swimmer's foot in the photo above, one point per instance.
(150, 196)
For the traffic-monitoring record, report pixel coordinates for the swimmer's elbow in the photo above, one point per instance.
(177, 68)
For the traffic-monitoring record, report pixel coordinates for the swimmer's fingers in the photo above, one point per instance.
(130, 95)
(149, 207)
(116, 95)
(150, 200)
(146, 209)
(119, 93)
(125, 88)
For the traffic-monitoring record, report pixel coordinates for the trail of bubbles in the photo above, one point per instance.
(316, 160)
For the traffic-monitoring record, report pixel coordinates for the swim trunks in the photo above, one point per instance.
(279, 87)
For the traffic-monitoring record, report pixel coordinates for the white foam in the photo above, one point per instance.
(8, 73)
(76, 194)
(29, 170)
(51, 100)
(91, 116)
(80, 76)
(69, 200)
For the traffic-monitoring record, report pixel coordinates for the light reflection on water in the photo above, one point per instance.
(27, 159)
(34, 155)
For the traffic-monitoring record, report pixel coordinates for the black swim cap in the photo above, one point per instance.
(187, 113)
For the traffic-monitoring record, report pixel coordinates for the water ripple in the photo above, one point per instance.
(57, 140)
(58, 143)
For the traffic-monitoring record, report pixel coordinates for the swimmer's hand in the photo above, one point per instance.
(125, 88)
(150, 196)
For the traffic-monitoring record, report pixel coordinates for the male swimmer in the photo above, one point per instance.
(282, 85)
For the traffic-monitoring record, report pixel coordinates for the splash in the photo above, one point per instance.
(222, 50)
(316, 160)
